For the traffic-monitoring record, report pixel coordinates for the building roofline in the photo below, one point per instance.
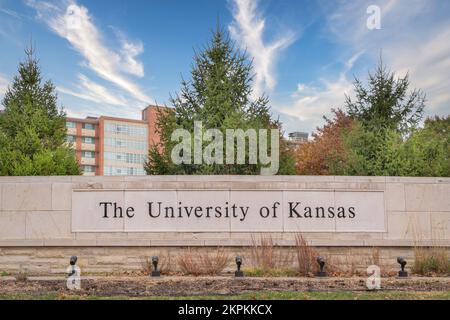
(96, 120)
(85, 120)
(155, 106)
(122, 119)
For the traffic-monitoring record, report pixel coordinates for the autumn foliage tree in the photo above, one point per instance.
(379, 134)
(327, 151)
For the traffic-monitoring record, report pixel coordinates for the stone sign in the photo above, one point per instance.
(227, 211)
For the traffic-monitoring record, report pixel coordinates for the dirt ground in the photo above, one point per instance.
(193, 286)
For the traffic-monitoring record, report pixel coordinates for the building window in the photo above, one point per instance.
(71, 125)
(88, 169)
(126, 144)
(88, 126)
(134, 158)
(126, 129)
(122, 171)
(120, 143)
(125, 157)
(88, 140)
(88, 154)
(71, 139)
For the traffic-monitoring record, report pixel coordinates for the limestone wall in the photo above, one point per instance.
(35, 216)
(36, 211)
(131, 260)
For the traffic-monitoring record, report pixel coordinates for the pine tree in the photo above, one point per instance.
(219, 95)
(386, 102)
(32, 127)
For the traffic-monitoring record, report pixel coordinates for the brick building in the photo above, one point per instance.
(113, 146)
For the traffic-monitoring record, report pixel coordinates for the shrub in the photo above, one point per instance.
(306, 256)
(21, 277)
(433, 260)
(203, 263)
(214, 263)
(267, 256)
(187, 263)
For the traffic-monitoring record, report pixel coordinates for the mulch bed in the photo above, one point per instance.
(203, 286)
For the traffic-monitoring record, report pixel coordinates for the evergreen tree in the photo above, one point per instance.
(424, 153)
(386, 102)
(427, 151)
(32, 127)
(379, 136)
(373, 153)
(220, 96)
(386, 114)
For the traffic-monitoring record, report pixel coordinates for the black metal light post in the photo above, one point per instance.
(321, 262)
(238, 272)
(402, 262)
(155, 272)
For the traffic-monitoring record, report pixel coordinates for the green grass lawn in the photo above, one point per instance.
(380, 295)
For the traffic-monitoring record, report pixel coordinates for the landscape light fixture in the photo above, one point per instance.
(402, 262)
(238, 272)
(73, 262)
(321, 262)
(155, 272)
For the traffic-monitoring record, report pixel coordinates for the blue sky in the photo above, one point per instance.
(114, 56)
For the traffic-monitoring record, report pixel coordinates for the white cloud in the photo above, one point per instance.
(350, 62)
(11, 13)
(10, 25)
(105, 101)
(129, 52)
(3, 84)
(247, 29)
(76, 114)
(428, 63)
(411, 40)
(74, 23)
(311, 103)
(347, 20)
(3, 87)
(91, 91)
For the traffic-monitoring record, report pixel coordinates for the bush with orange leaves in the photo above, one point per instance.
(327, 150)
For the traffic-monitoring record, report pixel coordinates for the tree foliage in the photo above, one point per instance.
(378, 135)
(219, 95)
(374, 153)
(386, 102)
(425, 152)
(32, 127)
(326, 152)
(428, 148)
